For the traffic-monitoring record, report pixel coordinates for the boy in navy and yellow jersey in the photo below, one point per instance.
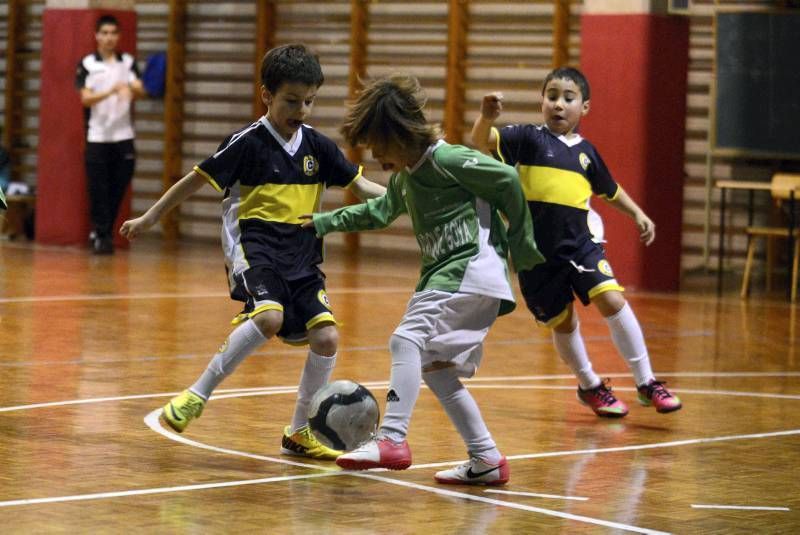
(560, 171)
(270, 173)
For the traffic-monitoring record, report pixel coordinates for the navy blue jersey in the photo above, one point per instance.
(268, 184)
(558, 176)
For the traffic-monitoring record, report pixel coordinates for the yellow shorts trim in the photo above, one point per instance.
(242, 317)
(604, 287)
(558, 319)
(294, 342)
(325, 317)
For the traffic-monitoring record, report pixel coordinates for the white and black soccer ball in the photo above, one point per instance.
(343, 415)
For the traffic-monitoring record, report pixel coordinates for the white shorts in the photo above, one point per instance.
(449, 327)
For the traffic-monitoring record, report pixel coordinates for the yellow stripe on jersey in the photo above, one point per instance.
(280, 203)
(207, 177)
(357, 177)
(496, 133)
(557, 186)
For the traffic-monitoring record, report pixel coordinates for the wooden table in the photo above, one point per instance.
(751, 186)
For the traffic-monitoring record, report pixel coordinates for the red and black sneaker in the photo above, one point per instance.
(602, 401)
(656, 394)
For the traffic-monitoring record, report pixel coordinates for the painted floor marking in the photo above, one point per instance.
(160, 490)
(152, 421)
(536, 495)
(743, 507)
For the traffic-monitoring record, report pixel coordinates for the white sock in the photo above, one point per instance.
(242, 341)
(460, 406)
(629, 340)
(572, 351)
(404, 384)
(317, 371)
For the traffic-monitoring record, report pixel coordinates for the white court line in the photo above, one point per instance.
(222, 394)
(635, 447)
(141, 492)
(536, 495)
(631, 389)
(269, 390)
(152, 421)
(173, 295)
(743, 507)
(512, 505)
(671, 444)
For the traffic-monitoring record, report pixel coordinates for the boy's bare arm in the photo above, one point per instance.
(175, 195)
(137, 88)
(626, 205)
(366, 189)
(89, 98)
(482, 136)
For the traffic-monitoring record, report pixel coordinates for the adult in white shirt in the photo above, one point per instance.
(108, 81)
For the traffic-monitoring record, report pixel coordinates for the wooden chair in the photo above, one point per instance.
(781, 186)
(20, 208)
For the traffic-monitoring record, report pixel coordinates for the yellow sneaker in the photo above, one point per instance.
(182, 409)
(303, 443)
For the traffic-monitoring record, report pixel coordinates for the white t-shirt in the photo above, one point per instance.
(109, 120)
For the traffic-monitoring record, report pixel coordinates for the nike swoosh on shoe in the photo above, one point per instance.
(174, 414)
(473, 475)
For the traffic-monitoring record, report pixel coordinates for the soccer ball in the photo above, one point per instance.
(343, 415)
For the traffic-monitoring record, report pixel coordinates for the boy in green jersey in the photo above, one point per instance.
(452, 195)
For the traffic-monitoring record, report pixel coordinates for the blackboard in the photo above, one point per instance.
(757, 109)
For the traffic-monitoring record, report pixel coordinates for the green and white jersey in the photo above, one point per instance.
(452, 196)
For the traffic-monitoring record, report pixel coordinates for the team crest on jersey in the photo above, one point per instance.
(584, 160)
(310, 165)
(605, 268)
(323, 298)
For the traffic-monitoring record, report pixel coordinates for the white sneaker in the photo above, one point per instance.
(476, 472)
(377, 453)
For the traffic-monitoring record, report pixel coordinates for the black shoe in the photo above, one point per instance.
(103, 246)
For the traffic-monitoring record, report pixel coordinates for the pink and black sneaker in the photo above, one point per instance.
(602, 401)
(656, 394)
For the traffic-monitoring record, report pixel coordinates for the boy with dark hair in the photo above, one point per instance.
(559, 171)
(452, 195)
(271, 172)
(108, 82)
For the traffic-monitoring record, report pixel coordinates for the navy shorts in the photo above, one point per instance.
(304, 302)
(548, 288)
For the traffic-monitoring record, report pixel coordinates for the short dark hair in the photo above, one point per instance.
(289, 64)
(105, 19)
(572, 74)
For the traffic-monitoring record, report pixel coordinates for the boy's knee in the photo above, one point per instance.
(268, 322)
(442, 381)
(568, 323)
(324, 340)
(609, 303)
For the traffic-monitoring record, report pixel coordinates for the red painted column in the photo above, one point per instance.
(62, 204)
(636, 62)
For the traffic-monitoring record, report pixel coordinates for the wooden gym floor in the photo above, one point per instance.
(91, 347)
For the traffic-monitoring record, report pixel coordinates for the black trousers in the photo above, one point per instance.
(109, 169)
